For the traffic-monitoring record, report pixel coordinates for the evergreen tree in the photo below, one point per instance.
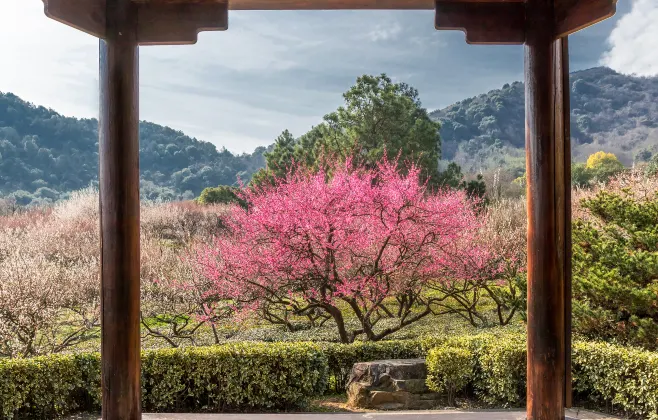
(378, 118)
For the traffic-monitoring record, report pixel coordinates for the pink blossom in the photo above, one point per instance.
(358, 236)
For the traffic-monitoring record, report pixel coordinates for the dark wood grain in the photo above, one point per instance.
(545, 187)
(85, 15)
(574, 15)
(306, 4)
(570, 15)
(563, 128)
(330, 4)
(119, 202)
(340, 4)
(483, 23)
(563, 195)
(179, 23)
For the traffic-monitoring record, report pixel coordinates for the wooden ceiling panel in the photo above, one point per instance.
(325, 4)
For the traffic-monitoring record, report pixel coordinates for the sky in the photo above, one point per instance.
(272, 71)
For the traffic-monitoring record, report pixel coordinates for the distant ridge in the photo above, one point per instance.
(609, 111)
(44, 155)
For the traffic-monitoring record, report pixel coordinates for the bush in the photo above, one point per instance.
(221, 195)
(449, 370)
(501, 377)
(232, 376)
(277, 376)
(605, 374)
(626, 377)
(500, 366)
(49, 386)
(615, 263)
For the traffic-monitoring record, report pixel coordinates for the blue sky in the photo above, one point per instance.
(284, 70)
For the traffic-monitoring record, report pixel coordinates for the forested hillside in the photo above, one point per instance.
(44, 155)
(609, 111)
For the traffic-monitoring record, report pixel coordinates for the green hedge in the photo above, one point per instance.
(499, 367)
(452, 369)
(624, 377)
(605, 374)
(48, 386)
(342, 357)
(280, 375)
(232, 376)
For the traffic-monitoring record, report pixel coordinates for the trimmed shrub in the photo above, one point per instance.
(605, 374)
(257, 376)
(500, 366)
(501, 373)
(232, 376)
(625, 377)
(227, 377)
(449, 369)
(49, 386)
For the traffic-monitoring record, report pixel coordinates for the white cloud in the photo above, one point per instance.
(270, 71)
(634, 41)
(385, 32)
(46, 62)
(51, 64)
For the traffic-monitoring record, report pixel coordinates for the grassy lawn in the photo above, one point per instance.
(256, 329)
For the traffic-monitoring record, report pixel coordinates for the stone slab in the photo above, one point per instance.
(397, 384)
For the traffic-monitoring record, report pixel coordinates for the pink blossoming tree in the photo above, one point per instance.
(356, 244)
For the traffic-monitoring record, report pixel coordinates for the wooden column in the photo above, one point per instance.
(119, 203)
(563, 155)
(547, 192)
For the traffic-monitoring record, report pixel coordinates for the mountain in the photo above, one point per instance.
(44, 156)
(609, 111)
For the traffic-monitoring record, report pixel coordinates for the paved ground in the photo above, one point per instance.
(392, 415)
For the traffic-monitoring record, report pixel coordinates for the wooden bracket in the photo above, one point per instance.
(483, 22)
(85, 15)
(158, 22)
(574, 15)
(164, 22)
(179, 23)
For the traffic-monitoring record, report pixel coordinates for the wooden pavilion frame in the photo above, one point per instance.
(542, 25)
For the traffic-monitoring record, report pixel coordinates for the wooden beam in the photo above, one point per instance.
(85, 15)
(483, 23)
(341, 4)
(331, 4)
(574, 15)
(546, 189)
(119, 203)
(179, 23)
(165, 22)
